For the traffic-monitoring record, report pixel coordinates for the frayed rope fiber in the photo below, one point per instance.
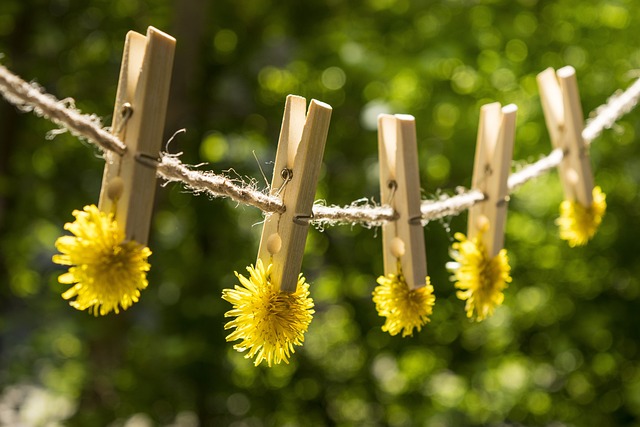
(30, 97)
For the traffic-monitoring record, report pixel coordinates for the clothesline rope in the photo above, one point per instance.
(30, 97)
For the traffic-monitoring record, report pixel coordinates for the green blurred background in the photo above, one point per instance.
(562, 351)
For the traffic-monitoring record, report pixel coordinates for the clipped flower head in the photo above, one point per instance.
(106, 272)
(268, 321)
(404, 308)
(480, 279)
(577, 223)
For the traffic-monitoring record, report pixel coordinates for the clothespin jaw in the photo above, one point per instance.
(129, 181)
(565, 121)
(494, 151)
(295, 175)
(403, 239)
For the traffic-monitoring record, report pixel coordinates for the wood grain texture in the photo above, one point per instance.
(300, 150)
(400, 188)
(145, 78)
(563, 114)
(492, 164)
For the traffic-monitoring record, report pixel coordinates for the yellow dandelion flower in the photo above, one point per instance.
(269, 322)
(106, 272)
(578, 224)
(480, 279)
(404, 308)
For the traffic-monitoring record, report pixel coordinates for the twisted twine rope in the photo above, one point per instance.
(30, 97)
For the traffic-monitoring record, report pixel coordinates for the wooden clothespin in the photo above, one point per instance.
(403, 239)
(129, 181)
(295, 175)
(563, 114)
(494, 151)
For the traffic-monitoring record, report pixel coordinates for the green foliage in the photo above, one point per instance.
(561, 351)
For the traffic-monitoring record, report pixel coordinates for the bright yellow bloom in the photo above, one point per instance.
(480, 279)
(577, 223)
(269, 322)
(106, 272)
(404, 308)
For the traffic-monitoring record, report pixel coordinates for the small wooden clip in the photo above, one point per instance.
(494, 151)
(129, 181)
(295, 175)
(403, 239)
(563, 114)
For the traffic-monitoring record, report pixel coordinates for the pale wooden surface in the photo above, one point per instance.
(300, 149)
(145, 77)
(402, 239)
(565, 121)
(494, 151)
